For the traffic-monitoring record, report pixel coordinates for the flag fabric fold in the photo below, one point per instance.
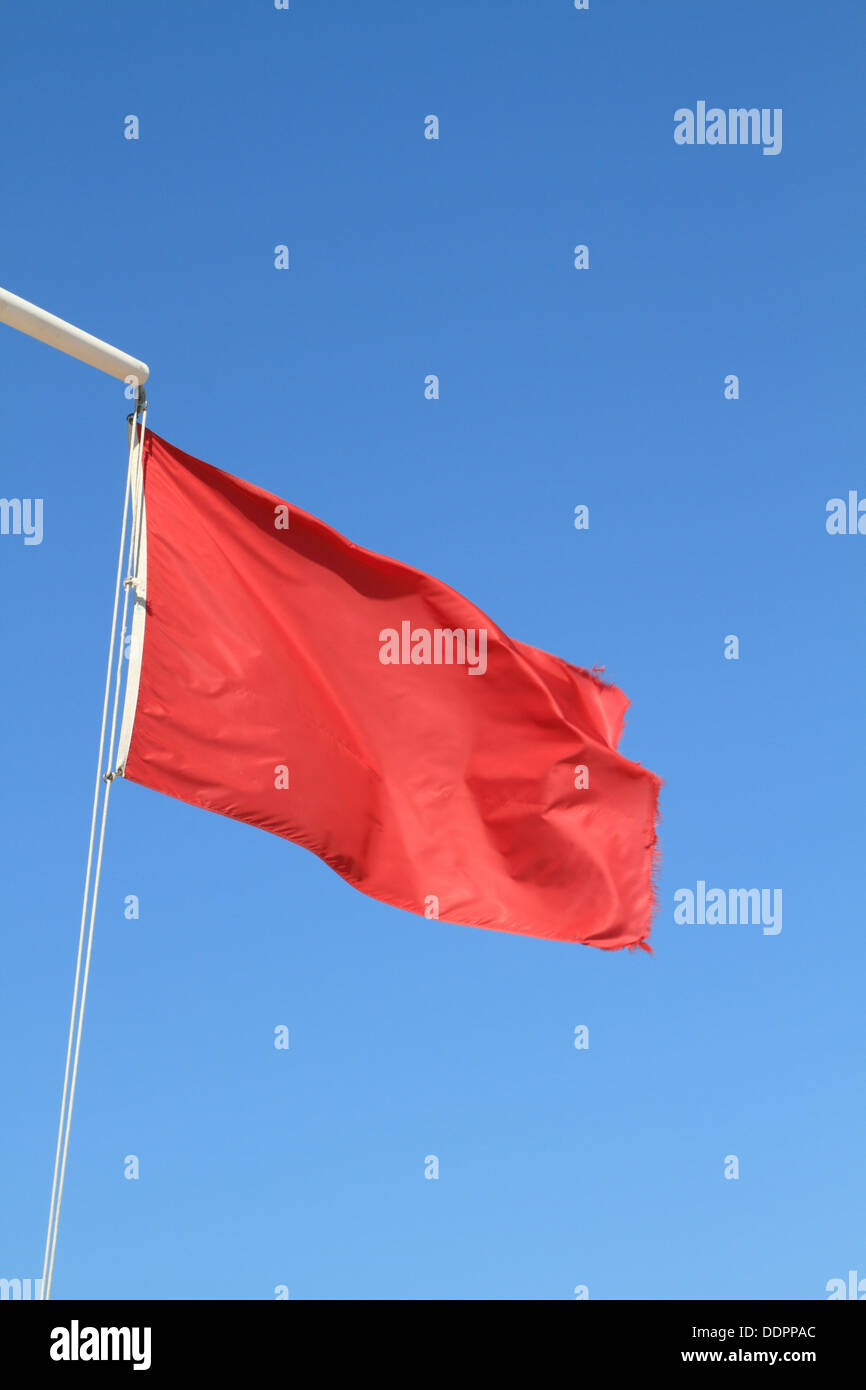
(360, 708)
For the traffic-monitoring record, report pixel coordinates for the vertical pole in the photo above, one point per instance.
(90, 900)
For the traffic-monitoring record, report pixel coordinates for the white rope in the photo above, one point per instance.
(91, 895)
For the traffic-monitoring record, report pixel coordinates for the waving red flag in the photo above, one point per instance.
(359, 707)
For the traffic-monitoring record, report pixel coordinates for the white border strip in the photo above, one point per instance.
(139, 612)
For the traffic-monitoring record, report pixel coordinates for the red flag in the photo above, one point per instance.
(359, 707)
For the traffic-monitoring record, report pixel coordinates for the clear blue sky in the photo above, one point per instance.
(558, 1167)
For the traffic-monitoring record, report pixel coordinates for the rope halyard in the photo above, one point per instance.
(135, 494)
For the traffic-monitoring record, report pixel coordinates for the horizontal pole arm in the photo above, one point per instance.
(27, 318)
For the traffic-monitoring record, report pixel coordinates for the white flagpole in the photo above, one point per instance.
(47, 328)
(57, 333)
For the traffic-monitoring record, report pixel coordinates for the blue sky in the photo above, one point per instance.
(558, 1167)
